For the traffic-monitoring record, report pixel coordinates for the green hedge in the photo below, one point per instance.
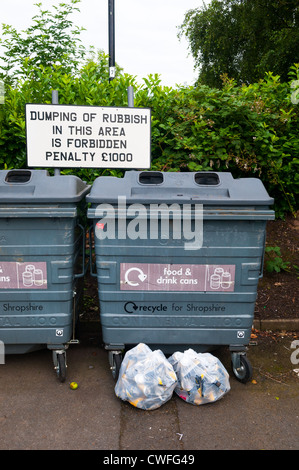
(251, 131)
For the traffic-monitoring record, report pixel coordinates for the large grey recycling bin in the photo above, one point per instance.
(159, 286)
(41, 261)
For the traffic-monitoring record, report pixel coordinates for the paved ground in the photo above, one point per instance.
(39, 412)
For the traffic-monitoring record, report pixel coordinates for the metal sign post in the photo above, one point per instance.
(55, 100)
(111, 39)
(111, 19)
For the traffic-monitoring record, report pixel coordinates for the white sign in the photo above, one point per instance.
(86, 136)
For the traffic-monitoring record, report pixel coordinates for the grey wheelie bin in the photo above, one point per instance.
(41, 261)
(178, 259)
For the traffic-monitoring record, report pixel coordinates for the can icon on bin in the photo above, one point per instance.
(38, 277)
(32, 276)
(225, 280)
(220, 279)
(215, 281)
(27, 278)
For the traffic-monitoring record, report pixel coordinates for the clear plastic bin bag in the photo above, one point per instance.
(146, 379)
(202, 378)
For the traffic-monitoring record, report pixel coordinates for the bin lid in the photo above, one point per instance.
(37, 186)
(208, 188)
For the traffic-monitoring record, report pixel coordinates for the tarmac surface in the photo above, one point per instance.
(38, 412)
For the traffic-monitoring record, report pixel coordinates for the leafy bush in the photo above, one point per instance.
(274, 261)
(51, 39)
(250, 130)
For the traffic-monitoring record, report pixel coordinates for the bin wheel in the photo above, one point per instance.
(243, 373)
(61, 367)
(115, 367)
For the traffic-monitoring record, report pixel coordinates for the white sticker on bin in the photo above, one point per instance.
(177, 277)
(27, 275)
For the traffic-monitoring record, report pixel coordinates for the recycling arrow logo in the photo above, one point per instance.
(141, 276)
(130, 307)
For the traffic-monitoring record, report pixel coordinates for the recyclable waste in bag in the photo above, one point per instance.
(202, 378)
(146, 379)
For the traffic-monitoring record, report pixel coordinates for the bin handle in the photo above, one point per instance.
(263, 258)
(90, 253)
(84, 268)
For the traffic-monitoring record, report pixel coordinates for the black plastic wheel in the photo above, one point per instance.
(116, 363)
(244, 372)
(61, 367)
